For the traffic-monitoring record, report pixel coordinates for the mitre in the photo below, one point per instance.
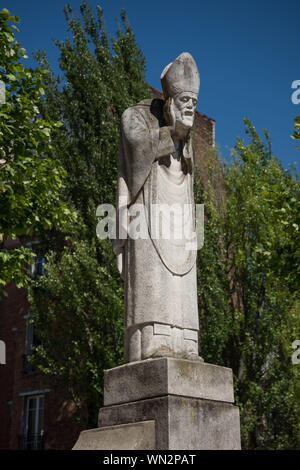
(180, 75)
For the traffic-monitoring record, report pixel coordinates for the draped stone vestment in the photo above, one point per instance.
(159, 274)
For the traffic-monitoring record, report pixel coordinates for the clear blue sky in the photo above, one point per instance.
(247, 54)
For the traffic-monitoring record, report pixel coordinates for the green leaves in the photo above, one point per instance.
(296, 134)
(30, 181)
(12, 266)
(262, 209)
(248, 287)
(84, 334)
(84, 292)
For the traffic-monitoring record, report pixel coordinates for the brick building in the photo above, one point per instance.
(32, 416)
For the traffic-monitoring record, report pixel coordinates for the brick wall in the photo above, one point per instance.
(61, 432)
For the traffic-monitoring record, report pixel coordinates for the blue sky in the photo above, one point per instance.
(247, 54)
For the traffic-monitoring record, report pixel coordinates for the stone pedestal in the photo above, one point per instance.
(166, 404)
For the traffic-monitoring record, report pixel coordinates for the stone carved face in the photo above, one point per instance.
(184, 107)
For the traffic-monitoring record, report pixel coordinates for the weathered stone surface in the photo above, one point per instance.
(180, 75)
(133, 436)
(163, 376)
(188, 403)
(182, 423)
(156, 171)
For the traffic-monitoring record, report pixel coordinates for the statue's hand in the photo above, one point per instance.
(170, 116)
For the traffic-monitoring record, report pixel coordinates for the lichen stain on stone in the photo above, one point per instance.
(187, 368)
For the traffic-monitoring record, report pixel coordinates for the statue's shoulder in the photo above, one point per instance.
(151, 109)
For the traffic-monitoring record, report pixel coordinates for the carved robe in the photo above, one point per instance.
(159, 274)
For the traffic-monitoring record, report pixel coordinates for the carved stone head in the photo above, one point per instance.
(181, 81)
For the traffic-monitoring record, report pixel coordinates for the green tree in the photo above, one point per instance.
(30, 181)
(82, 288)
(248, 290)
(247, 270)
(296, 134)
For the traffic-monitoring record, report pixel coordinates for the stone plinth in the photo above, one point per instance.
(124, 437)
(167, 376)
(181, 423)
(166, 404)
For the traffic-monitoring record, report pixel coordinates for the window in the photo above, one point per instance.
(32, 437)
(37, 267)
(31, 340)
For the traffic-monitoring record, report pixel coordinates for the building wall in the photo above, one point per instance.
(61, 431)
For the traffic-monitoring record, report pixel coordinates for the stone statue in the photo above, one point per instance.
(164, 397)
(156, 168)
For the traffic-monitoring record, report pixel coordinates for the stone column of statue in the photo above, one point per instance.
(156, 170)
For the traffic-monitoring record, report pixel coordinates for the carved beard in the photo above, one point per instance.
(183, 127)
(184, 120)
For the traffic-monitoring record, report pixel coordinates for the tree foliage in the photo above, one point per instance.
(296, 134)
(248, 290)
(30, 182)
(82, 288)
(248, 269)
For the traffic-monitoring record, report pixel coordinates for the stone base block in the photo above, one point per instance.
(135, 436)
(167, 376)
(181, 423)
(166, 404)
